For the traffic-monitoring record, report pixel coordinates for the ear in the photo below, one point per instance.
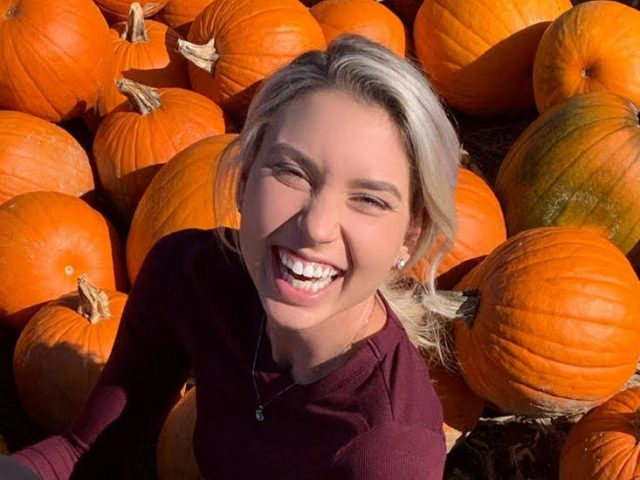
(412, 235)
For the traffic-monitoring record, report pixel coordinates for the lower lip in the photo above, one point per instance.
(295, 295)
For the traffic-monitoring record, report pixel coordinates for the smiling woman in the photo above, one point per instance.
(300, 327)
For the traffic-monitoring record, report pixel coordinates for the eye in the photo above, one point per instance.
(371, 202)
(288, 173)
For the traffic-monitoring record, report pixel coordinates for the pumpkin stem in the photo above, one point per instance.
(94, 302)
(143, 99)
(135, 31)
(203, 56)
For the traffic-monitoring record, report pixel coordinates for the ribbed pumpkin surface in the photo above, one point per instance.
(54, 56)
(579, 165)
(592, 47)
(179, 14)
(604, 444)
(36, 155)
(179, 197)
(479, 53)
(557, 330)
(118, 9)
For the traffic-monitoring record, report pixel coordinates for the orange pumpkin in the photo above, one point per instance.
(179, 14)
(54, 57)
(577, 165)
(179, 197)
(38, 155)
(480, 229)
(61, 352)
(479, 55)
(144, 51)
(592, 47)
(363, 17)
(116, 10)
(235, 44)
(175, 459)
(130, 146)
(604, 444)
(47, 240)
(557, 329)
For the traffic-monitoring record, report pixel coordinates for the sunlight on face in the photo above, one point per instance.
(325, 208)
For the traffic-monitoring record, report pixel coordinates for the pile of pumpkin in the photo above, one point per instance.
(163, 86)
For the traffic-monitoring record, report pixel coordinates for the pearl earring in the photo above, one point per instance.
(401, 263)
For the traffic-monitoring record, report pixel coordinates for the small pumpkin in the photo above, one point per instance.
(179, 14)
(117, 10)
(479, 55)
(577, 165)
(55, 58)
(180, 196)
(557, 328)
(363, 17)
(130, 146)
(234, 44)
(604, 443)
(61, 352)
(590, 48)
(48, 239)
(480, 229)
(38, 155)
(175, 458)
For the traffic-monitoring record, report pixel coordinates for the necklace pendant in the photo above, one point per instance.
(259, 414)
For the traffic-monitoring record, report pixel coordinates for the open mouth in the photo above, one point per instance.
(305, 276)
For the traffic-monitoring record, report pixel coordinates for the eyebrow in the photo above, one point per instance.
(310, 165)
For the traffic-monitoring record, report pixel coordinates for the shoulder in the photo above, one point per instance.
(392, 451)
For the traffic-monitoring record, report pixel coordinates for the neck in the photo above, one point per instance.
(313, 353)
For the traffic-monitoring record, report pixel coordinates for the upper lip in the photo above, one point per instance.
(309, 258)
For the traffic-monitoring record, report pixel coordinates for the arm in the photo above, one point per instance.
(392, 452)
(137, 387)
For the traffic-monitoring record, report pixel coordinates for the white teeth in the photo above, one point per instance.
(317, 273)
(327, 272)
(306, 285)
(308, 271)
(297, 267)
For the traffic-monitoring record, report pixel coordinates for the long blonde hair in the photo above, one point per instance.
(377, 76)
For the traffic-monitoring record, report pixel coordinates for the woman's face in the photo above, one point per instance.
(325, 208)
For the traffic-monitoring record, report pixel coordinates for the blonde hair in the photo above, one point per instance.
(377, 76)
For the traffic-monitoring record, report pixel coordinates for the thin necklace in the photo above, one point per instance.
(259, 412)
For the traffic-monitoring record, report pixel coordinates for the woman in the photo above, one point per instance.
(298, 328)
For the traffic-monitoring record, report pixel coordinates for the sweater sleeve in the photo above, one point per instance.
(392, 451)
(136, 389)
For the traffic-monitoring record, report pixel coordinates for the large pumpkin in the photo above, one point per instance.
(234, 44)
(175, 458)
(61, 352)
(603, 445)
(363, 17)
(179, 197)
(557, 330)
(130, 146)
(47, 240)
(592, 47)
(479, 54)
(144, 51)
(38, 155)
(578, 164)
(54, 56)
(179, 14)
(118, 9)
(480, 229)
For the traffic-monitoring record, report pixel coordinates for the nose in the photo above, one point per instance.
(319, 221)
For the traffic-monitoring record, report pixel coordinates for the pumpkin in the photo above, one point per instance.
(61, 352)
(479, 55)
(144, 51)
(577, 165)
(604, 443)
(590, 48)
(180, 196)
(116, 10)
(557, 328)
(48, 239)
(363, 17)
(179, 14)
(175, 458)
(55, 57)
(234, 44)
(130, 146)
(38, 155)
(480, 229)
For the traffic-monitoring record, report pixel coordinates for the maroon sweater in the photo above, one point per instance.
(193, 306)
